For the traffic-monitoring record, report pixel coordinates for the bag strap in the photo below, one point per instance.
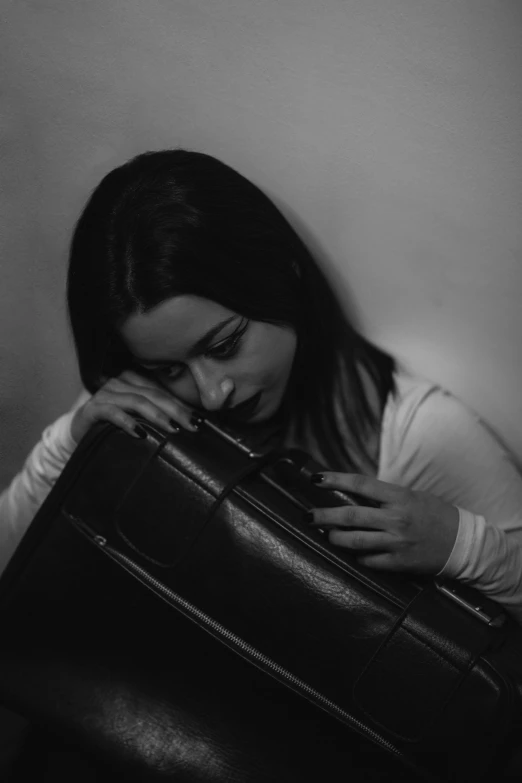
(419, 642)
(252, 468)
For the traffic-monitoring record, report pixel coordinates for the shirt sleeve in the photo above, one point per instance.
(447, 450)
(489, 559)
(20, 501)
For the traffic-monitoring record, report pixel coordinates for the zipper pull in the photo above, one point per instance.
(84, 528)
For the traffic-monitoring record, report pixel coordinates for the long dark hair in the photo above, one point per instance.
(179, 222)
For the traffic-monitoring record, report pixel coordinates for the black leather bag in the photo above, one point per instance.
(170, 612)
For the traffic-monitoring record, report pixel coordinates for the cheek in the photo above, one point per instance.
(275, 359)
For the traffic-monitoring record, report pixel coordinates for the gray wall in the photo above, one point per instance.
(389, 130)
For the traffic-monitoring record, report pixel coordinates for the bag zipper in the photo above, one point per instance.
(238, 644)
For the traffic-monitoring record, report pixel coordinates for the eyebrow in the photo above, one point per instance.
(199, 346)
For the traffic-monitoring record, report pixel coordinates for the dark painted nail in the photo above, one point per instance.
(174, 424)
(308, 517)
(316, 478)
(196, 420)
(140, 431)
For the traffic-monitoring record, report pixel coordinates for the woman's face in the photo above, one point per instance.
(213, 358)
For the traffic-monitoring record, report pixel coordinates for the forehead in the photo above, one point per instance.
(173, 327)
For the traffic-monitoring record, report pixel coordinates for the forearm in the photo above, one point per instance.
(23, 497)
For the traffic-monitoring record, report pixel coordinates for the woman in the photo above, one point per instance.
(189, 292)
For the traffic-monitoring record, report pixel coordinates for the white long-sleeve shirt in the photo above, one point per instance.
(20, 501)
(429, 441)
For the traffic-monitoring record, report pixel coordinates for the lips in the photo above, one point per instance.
(244, 410)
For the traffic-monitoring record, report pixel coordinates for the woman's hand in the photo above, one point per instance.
(118, 399)
(411, 531)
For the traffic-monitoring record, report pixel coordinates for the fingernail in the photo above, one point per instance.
(196, 420)
(140, 431)
(309, 517)
(316, 478)
(174, 425)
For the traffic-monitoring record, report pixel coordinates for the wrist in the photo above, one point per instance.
(76, 429)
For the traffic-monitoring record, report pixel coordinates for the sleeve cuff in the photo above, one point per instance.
(471, 531)
(67, 438)
(489, 560)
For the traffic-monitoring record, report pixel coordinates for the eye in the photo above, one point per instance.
(230, 346)
(225, 349)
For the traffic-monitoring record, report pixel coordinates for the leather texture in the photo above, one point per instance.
(279, 657)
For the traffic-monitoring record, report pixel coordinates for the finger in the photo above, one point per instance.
(353, 517)
(103, 407)
(130, 380)
(360, 540)
(121, 419)
(160, 391)
(135, 379)
(154, 406)
(165, 399)
(366, 486)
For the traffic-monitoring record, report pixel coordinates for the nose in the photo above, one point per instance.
(214, 388)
